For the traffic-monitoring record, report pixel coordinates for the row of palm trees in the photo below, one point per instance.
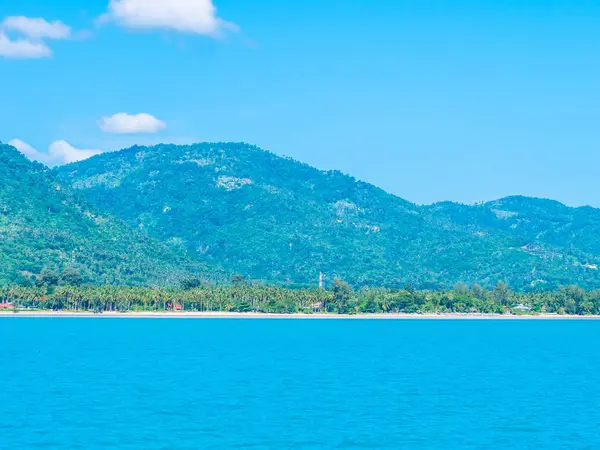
(341, 298)
(118, 298)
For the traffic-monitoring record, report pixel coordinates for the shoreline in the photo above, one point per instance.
(235, 315)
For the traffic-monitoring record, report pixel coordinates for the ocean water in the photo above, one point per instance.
(74, 383)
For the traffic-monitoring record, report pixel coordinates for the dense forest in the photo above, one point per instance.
(45, 226)
(65, 293)
(272, 218)
(155, 216)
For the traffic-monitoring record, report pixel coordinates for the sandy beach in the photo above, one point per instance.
(234, 315)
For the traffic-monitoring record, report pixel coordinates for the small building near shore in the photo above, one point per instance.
(523, 308)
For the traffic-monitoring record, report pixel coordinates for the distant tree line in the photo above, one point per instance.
(66, 292)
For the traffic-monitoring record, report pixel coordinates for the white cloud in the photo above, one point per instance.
(32, 32)
(63, 152)
(59, 152)
(36, 28)
(190, 16)
(28, 150)
(22, 48)
(123, 123)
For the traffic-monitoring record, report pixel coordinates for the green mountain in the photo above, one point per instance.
(45, 225)
(274, 218)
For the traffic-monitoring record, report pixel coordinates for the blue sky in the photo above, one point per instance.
(431, 100)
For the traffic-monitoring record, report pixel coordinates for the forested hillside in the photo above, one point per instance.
(273, 218)
(47, 232)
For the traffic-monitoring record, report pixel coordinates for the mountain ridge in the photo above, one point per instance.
(276, 218)
(325, 171)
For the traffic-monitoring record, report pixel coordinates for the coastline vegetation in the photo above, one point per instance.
(53, 293)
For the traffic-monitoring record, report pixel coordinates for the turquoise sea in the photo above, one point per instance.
(74, 383)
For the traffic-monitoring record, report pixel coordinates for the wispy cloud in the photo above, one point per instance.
(123, 123)
(59, 152)
(36, 28)
(28, 150)
(31, 36)
(188, 16)
(22, 48)
(63, 152)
